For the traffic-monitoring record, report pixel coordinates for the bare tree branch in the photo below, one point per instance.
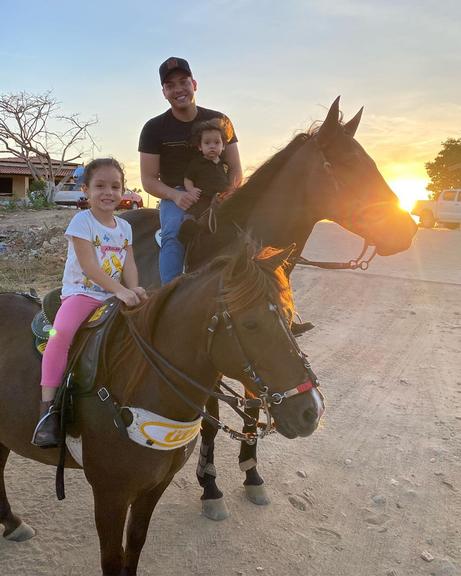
(32, 129)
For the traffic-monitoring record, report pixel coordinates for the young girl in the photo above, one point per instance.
(100, 264)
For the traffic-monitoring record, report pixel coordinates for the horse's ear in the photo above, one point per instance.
(350, 127)
(243, 256)
(273, 258)
(328, 129)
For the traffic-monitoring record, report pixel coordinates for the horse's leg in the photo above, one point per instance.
(138, 524)
(15, 528)
(110, 509)
(254, 484)
(213, 504)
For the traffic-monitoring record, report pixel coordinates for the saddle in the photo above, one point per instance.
(84, 353)
(82, 366)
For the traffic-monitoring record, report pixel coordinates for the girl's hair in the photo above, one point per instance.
(98, 163)
(207, 125)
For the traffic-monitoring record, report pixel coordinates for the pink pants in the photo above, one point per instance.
(73, 312)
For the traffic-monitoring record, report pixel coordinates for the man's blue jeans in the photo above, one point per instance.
(171, 260)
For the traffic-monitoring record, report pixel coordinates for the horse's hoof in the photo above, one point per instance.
(22, 533)
(215, 509)
(258, 495)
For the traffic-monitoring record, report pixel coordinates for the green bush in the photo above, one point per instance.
(37, 194)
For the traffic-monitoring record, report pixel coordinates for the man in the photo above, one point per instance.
(165, 150)
(78, 176)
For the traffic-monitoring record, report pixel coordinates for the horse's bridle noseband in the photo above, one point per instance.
(265, 398)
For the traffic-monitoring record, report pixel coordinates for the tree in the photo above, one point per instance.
(445, 170)
(31, 127)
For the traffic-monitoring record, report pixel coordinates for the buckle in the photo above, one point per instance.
(277, 398)
(103, 394)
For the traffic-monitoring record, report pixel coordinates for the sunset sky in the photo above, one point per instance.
(274, 67)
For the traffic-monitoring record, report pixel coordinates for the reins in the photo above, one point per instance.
(359, 263)
(265, 399)
(153, 358)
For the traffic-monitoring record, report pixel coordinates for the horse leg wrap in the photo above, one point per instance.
(247, 464)
(205, 462)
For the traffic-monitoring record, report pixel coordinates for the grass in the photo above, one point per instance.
(43, 274)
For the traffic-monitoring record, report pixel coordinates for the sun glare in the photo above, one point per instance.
(409, 190)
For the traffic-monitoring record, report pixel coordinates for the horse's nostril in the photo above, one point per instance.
(309, 414)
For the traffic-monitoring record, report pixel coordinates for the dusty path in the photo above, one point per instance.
(366, 495)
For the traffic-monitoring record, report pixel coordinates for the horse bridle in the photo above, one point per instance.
(354, 264)
(360, 262)
(264, 399)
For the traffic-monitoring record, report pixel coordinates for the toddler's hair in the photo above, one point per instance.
(98, 163)
(214, 124)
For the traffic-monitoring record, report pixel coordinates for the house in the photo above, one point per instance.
(15, 175)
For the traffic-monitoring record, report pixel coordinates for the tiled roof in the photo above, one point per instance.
(17, 167)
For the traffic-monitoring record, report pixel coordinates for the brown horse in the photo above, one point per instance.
(324, 173)
(166, 356)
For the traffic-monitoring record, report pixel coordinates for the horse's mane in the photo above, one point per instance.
(247, 277)
(254, 280)
(239, 205)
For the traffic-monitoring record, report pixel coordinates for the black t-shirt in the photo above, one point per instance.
(170, 138)
(210, 177)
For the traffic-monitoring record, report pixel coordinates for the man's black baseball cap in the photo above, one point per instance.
(172, 64)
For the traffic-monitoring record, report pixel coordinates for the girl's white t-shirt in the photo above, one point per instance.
(110, 245)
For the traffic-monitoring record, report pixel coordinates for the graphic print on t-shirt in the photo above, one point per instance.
(110, 257)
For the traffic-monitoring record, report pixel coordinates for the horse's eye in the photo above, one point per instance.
(250, 325)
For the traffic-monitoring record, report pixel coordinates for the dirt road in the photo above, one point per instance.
(369, 494)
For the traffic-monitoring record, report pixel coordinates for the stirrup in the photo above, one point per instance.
(53, 435)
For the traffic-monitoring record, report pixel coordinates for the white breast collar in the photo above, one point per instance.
(160, 433)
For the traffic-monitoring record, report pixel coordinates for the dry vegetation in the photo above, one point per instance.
(32, 248)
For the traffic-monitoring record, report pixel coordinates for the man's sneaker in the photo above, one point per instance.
(297, 329)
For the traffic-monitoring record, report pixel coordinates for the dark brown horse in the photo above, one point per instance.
(322, 174)
(232, 318)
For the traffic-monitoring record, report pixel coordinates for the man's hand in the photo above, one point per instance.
(186, 199)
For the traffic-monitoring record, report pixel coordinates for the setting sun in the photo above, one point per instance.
(409, 190)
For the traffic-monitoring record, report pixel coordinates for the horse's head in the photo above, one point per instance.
(355, 194)
(250, 341)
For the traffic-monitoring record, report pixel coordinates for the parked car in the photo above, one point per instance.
(130, 201)
(69, 196)
(445, 211)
